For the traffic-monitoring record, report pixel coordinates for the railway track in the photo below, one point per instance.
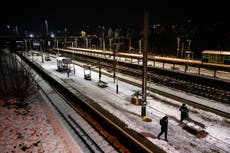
(202, 86)
(209, 88)
(87, 135)
(93, 68)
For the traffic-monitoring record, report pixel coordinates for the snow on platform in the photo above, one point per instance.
(218, 139)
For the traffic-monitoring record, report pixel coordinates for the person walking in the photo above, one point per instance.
(184, 112)
(164, 127)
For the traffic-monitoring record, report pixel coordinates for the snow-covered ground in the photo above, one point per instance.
(218, 139)
(29, 129)
(180, 141)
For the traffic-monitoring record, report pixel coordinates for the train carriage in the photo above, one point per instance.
(214, 56)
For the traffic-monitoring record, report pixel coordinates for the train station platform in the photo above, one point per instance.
(67, 121)
(193, 100)
(119, 104)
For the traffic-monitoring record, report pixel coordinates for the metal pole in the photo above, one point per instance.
(140, 46)
(57, 47)
(75, 42)
(86, 43)
(178, 46)
(43, 43)
(130, 44)
(16, 30)
(26, 45)
(114, 65)
(144, 80)
(117, 75)
(110, 44)
(47, 32)
(65, 36)
(41, 51)
(103, 41)
(73, 49)
(100, 69)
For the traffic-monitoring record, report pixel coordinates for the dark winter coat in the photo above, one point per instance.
(184, 111)
(164, 123)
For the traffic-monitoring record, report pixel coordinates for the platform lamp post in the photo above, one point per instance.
(115, 62)
(110, 44)
(114, 65)
(144, 70)
(41, 48)
(26, 44)
(47, 32)
(117, 72)
(110, 36)
(100, 69)
(178, 47)
(103, 40)
(65, 36)
(16, 30)
(53, 41)
(140, 46)
(44, 46)
(75, 42)
(57, 47)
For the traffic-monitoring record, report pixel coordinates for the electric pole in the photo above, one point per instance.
(144, 71)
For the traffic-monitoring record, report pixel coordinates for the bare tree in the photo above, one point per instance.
(4, 80)
(16, 80)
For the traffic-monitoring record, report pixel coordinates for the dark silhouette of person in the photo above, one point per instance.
(164, 127)
(184, 112)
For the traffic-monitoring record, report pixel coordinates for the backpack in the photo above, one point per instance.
(161, 122)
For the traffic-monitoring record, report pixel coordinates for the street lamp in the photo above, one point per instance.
(103, 40)
(65, 36)
(178, 46)
(41, 48)
(117, 75)
(100, 69)
(47, 32)
(30, 41)
(110, 44)
(76, 42)
(16, 30)
(26, 45)
(140, 46)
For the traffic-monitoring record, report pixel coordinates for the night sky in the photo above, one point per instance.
(76, 16)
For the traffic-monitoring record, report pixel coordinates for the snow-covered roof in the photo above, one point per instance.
(217, 52)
